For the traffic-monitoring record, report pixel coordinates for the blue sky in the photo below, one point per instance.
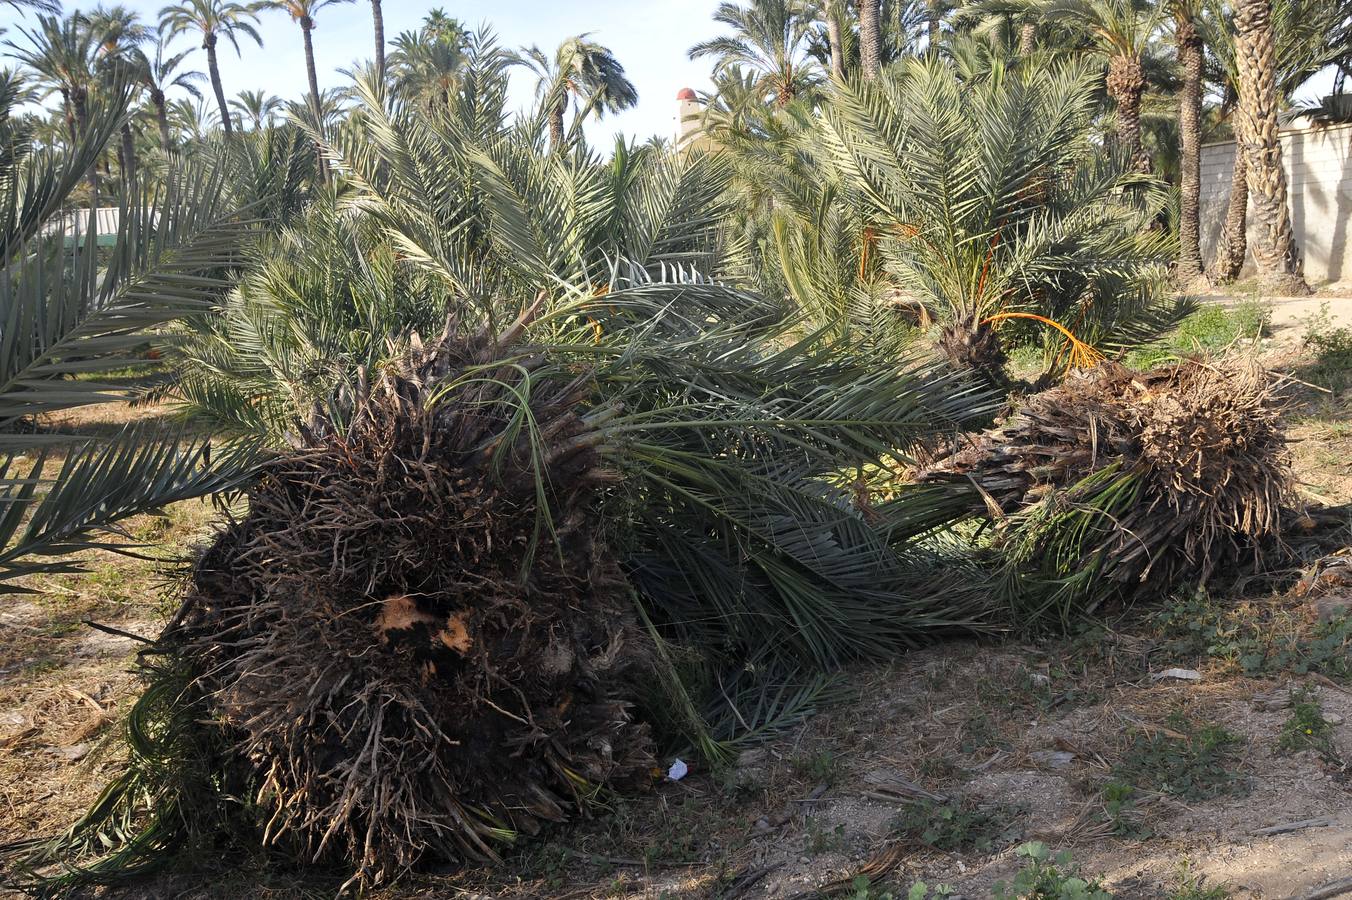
(650, 40)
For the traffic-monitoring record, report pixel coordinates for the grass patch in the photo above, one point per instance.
(1189, 761)
(959, 825)
(1208, 331)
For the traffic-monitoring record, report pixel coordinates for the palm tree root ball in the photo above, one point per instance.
(1119, 482)
(416, 640)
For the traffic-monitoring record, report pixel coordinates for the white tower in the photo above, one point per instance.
(689, 121)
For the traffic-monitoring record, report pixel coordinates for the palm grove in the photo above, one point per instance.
(544, 459)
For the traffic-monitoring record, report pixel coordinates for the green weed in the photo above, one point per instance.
(1259, 639)
(1119, 805)
(959, 825)
(1193, 887)
(1198, 765)
(1048, 877)
(1306, 728)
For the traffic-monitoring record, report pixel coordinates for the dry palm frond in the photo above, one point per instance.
(1120, 480)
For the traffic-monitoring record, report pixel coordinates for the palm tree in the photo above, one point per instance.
(870, 39)
(303, 13)
(51, 7)
(1275, 251)
(196, 119)
(1019, 18)
(1309, 35)
(585, 71)
(1120, 30)
(378, 25)
(831, 12)
(72, 313)
(162, 73)
(425, 67)
(1188, 40)
(120, 34)
(770, 38)
(987, 200)
(62, 53)
(213, 20)
(256, 107)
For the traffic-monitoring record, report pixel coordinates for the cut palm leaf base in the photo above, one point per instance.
(415, 645)
(1120, 482)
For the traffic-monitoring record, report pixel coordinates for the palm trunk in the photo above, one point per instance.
(1190, 140)
(69, 111)
(833, 38)
(128, 159)
(214, 71)
(162, 119)
(82, 121)
(556, 124)
(1027, 38)
(378, 23)
(870, 38)
(1274, 247)
(1126, 85)
(936, 17)
(307, 27)
(1234, 243)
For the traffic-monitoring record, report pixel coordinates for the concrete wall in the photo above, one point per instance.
(1319, 173)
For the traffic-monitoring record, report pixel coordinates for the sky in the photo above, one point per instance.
(649, 39)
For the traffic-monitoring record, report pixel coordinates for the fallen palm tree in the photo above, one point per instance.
(1119, 482)
(481, 577)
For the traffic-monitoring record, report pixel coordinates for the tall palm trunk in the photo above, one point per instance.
(378, 24)
(1027, 38)
(79, 100)
(161, 119)
(209, 44)
(128, 155)
(833, 39)
(307, 27)
(556, 123)
(1190, 139)
(1274, 246)
(870, 38)
(1234, 243)
(68, 108)
(1126, 85)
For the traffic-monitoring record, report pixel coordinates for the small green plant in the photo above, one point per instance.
(959, 825)
(1306, 728)
(922, 891)
(1193, 887)
(822, 766)
(1189, 761)
(1332, 349)
(823, 839)
(1048, 877)
(1119, 805)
